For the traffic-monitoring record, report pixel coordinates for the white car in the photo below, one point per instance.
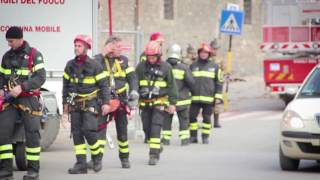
(300, 125)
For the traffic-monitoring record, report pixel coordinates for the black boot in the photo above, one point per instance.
(153, 160)
(193, 140)
(79, 168)
(165, 142)
(31, 175)
(205, 139)
(185, 142)
(97, 166)
(193, 136)
(33, 171)
(125, 163)
(6, 175)
(97, 162)
(6, 169)
(216, 120)
(90, 163)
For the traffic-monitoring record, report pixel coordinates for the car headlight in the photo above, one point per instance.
(292, 120)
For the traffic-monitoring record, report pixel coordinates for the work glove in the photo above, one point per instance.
(134, 95)
(218, 101)
(171, 109)
(133, 99)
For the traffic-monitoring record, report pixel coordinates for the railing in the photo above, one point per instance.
(51, 73)
(284, 34)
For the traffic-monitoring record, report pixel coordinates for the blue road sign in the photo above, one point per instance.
(231, 22)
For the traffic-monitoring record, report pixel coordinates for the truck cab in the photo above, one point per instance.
(291, 43)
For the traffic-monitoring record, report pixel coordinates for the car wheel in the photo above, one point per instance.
(287, 163)
(20, 156)
(50, 131)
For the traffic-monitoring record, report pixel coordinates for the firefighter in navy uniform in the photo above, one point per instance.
(158, 96)
(216, 109)
(22, 74)
(191, 55)
(185, 82)
(157, 37)
(124, 88)
(207, 92)
(84, 82)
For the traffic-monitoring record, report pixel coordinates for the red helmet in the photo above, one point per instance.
(205, 47)
(156, 36)
(84, 39)
(152, 48)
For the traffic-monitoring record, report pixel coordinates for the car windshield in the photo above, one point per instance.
(312, 87)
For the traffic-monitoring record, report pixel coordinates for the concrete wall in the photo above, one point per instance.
(195, 21)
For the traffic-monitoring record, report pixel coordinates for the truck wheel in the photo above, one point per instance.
(49, 131)
(287, 163)
(20, 156)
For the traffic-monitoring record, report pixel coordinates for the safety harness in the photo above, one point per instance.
(116, 68)
(160, 101)
(82, 103)
(36, 92)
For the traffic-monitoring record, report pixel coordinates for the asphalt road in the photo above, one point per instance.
(245, 148)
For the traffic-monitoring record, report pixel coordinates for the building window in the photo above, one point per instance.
(168, 9)
(247, 6)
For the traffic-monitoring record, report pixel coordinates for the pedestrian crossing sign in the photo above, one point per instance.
(231, 22)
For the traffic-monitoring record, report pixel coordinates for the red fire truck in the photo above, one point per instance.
(291, 42)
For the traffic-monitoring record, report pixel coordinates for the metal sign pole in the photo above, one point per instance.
(229, 69)
(232, 24)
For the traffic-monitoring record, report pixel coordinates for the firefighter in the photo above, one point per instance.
(216, 109)
(206, 92)
(191, 55)
(124, 88)
(184, 81)
(158, 96)
(157, 37)
(22, 74)
(84, 81)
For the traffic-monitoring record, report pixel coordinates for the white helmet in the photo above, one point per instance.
(174, 51)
